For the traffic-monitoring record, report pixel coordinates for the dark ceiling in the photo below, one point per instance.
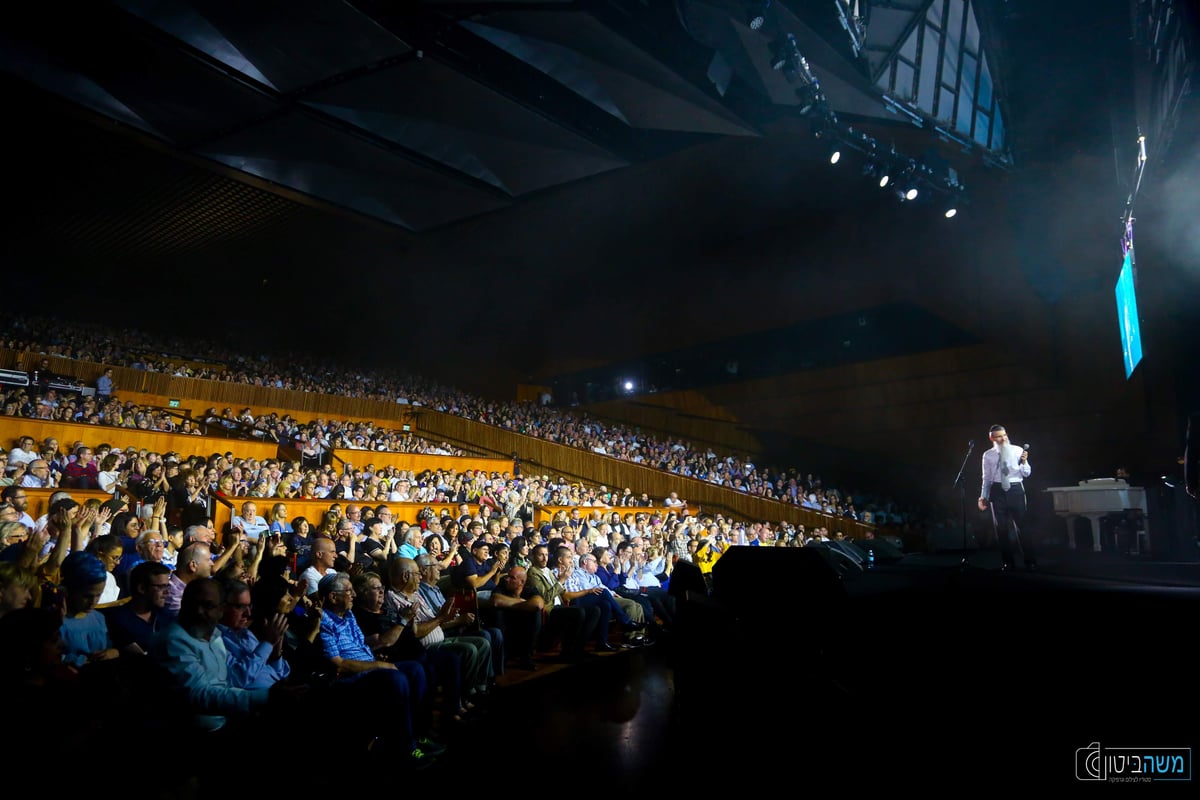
(530, 185)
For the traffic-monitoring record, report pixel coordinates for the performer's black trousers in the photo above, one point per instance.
(1008, 516)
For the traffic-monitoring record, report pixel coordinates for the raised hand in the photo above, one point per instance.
(85, 517)
(62, 520)
(274, 628)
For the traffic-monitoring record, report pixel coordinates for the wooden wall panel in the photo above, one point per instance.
(546, 513)
(314, 510)
(196, 409)
(418, 462)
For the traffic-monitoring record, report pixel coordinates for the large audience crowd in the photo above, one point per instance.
(279, 620)
(302, 372)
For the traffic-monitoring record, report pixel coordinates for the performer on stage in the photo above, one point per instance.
(1005, 468)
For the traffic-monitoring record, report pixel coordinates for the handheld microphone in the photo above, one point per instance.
(1025, 447)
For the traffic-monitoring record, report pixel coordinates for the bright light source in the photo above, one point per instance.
(629, 386)
(877, 169)
(951, 212)
(835, 155)
(911, 193)
(757, 15)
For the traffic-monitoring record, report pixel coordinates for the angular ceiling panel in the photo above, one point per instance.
(46, 72)
(421, 114)
(594, 61)
(560, 63)
(302, 154)
(324, 38)
(481, 133)
(430, 139)
(145, 83)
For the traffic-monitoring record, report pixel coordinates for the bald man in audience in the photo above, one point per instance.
(193, 563)
(539, 622)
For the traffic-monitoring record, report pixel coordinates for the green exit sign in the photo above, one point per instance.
(172, 404)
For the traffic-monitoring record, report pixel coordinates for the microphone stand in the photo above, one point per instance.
(962, 496)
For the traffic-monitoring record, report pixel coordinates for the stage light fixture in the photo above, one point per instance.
(835, 151)
(952, 204)
(810, 96)
(908, 180)
(785, 54)
(756, 16)
(878, 170)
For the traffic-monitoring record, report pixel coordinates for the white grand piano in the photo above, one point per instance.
(1095, 499)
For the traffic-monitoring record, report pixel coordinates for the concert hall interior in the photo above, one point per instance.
(765, 261)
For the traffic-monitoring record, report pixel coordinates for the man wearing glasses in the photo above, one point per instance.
(371, 689)
(133, 625)
(16, 496)
(193, 651)
(150, 546)
(38, 476)
(253, 662)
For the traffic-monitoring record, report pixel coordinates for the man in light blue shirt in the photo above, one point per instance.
(252, 663)
(193, 651)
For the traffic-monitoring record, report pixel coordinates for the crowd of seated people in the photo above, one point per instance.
(317, 436)
(275, 619)
(244, 620)
(277, 627)
(567, 427)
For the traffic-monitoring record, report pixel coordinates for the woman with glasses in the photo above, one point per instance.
(109, 550)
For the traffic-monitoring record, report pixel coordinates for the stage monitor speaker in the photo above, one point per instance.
(777, 577)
